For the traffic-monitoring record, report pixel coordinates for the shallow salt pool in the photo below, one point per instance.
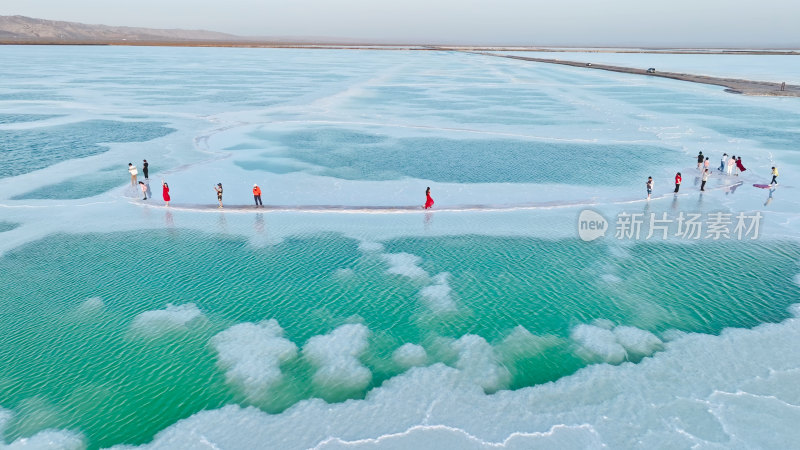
(484, 321)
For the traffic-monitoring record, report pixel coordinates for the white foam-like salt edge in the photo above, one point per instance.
(441, 436)
(335, 355)
(404, 264)
(410, 355)
(637, 341)
(596, 342)
(50, 438)
(251, 355)
(521, 343)
(478, 362)
(438, 296)
(171, 318)
(746, 398)
(613, 344)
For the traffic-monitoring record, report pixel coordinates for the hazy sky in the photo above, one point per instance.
(710, 23)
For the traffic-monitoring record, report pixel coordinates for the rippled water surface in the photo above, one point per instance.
(122, 317)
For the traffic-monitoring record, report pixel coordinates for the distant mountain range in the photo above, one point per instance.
(28, 30)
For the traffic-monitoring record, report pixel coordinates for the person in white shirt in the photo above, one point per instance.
(134, 173)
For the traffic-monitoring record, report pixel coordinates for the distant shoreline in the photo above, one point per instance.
(732, 85)
(417, 47)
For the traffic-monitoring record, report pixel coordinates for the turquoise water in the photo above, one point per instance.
(121, 318)
(77, 360)
(7, 226)
(28, 150)
(17, 118)
(74, 188)
(355, 155)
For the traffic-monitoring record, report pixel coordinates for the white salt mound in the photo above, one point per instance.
(437, 296)
(478, 363)
(702, 391)
(410, 355)
(336, 357)
(45, 439)
(171, 318)
(251, 355)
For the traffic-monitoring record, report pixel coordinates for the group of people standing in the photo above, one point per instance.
(256, 195)
(145, 185)
(727, 165)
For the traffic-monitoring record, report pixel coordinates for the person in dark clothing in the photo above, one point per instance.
(218, 188)
(700, 159)
(144, 170)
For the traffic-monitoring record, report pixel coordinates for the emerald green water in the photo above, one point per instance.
(85, 368)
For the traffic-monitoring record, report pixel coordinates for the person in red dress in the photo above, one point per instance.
(428, 198)
(739, 164)
(165, 191)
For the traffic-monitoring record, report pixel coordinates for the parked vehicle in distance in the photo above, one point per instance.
(651, 70)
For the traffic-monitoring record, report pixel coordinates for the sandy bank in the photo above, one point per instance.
(733, 85)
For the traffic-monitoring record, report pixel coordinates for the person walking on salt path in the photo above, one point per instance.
(706, 163)
(739, 166)
(731, 163)
(134, 173)
(678, 180)
(144, 189)
(649, 186)
(428, 199)
(145, 166)
(257, 195)
(218, 188)
(165, 192)
(699, 160)
(774, 176)
(706, 173)
(723, 162)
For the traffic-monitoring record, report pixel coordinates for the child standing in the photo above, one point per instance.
(649, 187)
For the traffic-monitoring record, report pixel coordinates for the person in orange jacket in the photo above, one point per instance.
(257, 195)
